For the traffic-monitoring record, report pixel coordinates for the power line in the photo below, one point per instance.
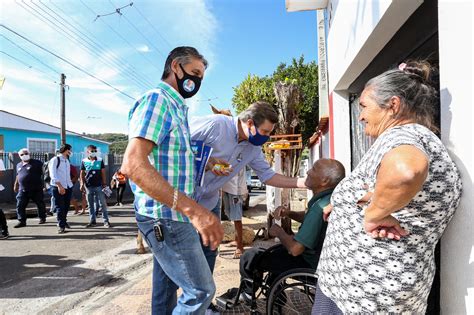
(66, 61)
(152, 26)
(96, 45)
(30, 54)
(139, 32)
(67, 33)
(24, 63)
(120, 35)
(117, 11)
(95, 41)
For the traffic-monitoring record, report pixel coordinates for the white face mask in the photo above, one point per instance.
(93, 154)
(25, 157)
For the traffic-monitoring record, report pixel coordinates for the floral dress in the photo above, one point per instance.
(365, 275)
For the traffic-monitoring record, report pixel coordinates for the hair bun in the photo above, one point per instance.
(420, 68)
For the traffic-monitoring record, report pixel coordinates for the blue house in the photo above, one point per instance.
(18, 132)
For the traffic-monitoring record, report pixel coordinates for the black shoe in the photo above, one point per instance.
(19, 225)
(42, 221)
(61, 230)
(4, 236)
(67, 226)
(91, 224)
(245, 298)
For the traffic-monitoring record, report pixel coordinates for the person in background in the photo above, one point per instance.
(3, 220)
(60, 172)
(387, 216)
(119, 182)
(29, 185)
(78, 199)
(93, 180)
(233, 196)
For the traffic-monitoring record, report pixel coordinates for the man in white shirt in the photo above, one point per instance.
(60, 171)
(234, 192)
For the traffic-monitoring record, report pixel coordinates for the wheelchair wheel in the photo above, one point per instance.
(292, 292)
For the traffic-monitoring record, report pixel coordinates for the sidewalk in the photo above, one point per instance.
(135, 298)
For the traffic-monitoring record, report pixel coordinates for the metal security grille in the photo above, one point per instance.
(42, 145)
(360, 143)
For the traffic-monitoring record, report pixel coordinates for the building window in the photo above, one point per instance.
(42, 145)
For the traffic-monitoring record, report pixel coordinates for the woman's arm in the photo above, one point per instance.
(401, 175)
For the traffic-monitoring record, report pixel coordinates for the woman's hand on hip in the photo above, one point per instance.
(388, 227)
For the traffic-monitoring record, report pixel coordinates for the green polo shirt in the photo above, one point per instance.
(312, 230)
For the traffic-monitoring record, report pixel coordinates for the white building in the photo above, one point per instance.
(367, 37)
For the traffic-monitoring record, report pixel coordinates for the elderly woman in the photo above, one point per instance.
(389, 213)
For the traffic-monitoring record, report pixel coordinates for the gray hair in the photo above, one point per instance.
(331, 169)
(259, 112)
(412, 85)
(183, 56)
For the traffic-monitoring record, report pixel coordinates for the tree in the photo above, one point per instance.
(118, 141)
(305, 76)
(252, 89)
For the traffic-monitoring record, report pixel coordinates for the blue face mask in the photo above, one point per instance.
(257, 139)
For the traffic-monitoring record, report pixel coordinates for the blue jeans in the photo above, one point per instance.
(210, 254)
(178, 261)
(61, 204)
(95, 197)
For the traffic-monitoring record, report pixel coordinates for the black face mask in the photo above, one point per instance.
(188, 85)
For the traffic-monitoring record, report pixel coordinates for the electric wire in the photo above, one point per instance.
(67, 33)
(139, 32)
(66, 61)
(123, 38)
(94, 42)
(25, 64)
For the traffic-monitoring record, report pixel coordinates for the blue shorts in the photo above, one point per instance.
(233, 206)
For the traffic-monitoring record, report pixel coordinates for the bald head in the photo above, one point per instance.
(325, 174)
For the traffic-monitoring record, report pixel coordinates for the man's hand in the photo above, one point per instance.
(213, 164)
(274, 230)
(82, 187)
(208, 226)
(326, 212)
(388, 227)
(281, 212)
(15, 188)
(61, 190)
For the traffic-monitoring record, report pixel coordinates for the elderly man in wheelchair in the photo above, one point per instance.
(270, 271)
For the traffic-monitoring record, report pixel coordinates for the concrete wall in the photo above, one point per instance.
(457, 246)
(358, 31)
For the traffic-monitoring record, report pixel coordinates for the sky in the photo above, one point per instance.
(127, 51)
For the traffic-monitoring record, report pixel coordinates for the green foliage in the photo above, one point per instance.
(254, 88)
(118, 141)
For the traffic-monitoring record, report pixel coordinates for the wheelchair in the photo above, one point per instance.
(291, 292)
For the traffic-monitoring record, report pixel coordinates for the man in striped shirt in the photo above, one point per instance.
(160, 164)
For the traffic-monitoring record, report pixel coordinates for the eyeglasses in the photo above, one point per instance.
(94, 151)
(21, 154)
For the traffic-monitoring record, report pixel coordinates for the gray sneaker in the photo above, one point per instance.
(107, 224)
(61, 230)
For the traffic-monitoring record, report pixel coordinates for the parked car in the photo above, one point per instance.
(255, 183)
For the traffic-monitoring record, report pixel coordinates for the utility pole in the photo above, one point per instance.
(63, 109)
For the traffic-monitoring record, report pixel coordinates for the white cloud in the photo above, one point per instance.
(28, 90)
(144, 48)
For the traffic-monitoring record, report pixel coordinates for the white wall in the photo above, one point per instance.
(358, 31)
(457, 247)
(342, 138)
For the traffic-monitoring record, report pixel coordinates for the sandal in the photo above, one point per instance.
(238, 253)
